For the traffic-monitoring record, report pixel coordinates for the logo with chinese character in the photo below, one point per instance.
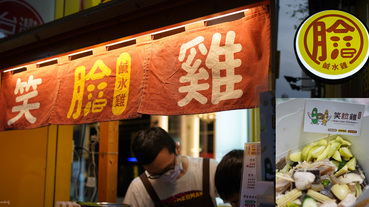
(332, 45)
(317, 118)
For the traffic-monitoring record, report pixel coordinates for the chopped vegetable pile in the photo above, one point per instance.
(324, 173)
(87, 203)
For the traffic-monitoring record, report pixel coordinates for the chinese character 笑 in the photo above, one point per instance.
(25, 108)
(337, 115)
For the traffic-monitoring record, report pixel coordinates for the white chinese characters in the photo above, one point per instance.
(221, 61)
(23, 88)
(12, 25)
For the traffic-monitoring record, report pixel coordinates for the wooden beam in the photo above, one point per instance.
(63, 165)
(50, 165)
(108, 162)
(107, 23)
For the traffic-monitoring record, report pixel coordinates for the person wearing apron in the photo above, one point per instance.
(169, 179)
(228, 177)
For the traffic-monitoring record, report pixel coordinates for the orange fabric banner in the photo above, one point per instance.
(101, 87)
(210, 69)
(27, 99)
(207, 69)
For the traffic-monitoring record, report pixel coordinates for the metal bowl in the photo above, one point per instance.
(107, 204)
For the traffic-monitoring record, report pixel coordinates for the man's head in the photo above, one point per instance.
(228, 177)
(149, 142)
(156, 151)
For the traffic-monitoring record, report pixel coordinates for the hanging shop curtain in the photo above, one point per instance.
(202, 70)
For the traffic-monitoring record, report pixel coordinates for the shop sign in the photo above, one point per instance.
(203, 70)
(216, 70)
(333, 117)
(254, 191)
(332, 46)
(91, 89)
(17, 16)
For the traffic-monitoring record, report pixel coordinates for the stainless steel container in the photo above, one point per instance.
(106, 204)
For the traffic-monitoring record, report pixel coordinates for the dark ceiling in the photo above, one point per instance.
(106, 22)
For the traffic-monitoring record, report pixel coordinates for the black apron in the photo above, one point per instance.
(202, 201)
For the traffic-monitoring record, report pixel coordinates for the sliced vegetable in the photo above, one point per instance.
(322, 142)
(288, 197)
(309, 202)
(333, 161)
(341, 165)
(296, 157)
(340, 191)
(337, 156)
(318, 196)
(291, 204)
(325, 182)
(345, 152)
(341, 171)
(343, 141)
(87, 203)
(351, 164)
(358, 190)
(305, 152)
(324, 153)
(334, 147)
(336, 164)
(316, 151)
(346, 158)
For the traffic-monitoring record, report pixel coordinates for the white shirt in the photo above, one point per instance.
(186, 187)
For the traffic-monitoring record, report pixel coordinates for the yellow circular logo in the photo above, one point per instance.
(332, 45)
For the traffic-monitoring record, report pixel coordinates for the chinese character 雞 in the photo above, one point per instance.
(223, 85)
(220, 60)
(192, 77)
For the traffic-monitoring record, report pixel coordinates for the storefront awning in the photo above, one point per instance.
(201, 70)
